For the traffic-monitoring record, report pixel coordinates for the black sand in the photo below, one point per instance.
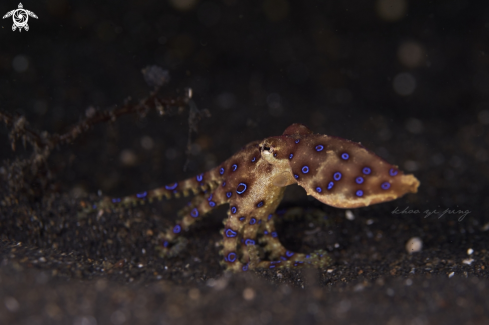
(257, 69)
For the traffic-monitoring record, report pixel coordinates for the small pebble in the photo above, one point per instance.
(194, 294)
(249, 294)
(11, 304)
(468, 261)
(128, 157)
(349, 215)
(414, 245)
(485, 227)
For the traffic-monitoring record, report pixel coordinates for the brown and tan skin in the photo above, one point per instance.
(335, 171)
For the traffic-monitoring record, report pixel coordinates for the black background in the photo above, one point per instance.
(257, 66)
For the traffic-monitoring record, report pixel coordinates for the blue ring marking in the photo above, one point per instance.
(393, 172)
(252, 221)
(210, 197)
(165, 243)
(177, 229)
(141, 195)
(265, 232)
(212, 204)
(272, 266)
(330, 185)
(283, 258)
(337, 176)
(254, 159)
(221, 171)
(270, 216)
(359, 193)
(223, 184)
(117, 200)
(305, 170)
(230, 233)
(289, 253)
(242, 219)
(385, 185)
(296, 176)
(232, 257)
(249, 242)
(234, 167)
(291, 155)
(245, 187)
(274, 234)
(234, 210)
(297, 141)
(194, 213)
(318, 189)
(199, 177)
(260, 204)
(245, 267)
(229, 194)
(319, 147)
(308, 256)
(171, 187)
(359, 180)
(366, 170)
(345, 156)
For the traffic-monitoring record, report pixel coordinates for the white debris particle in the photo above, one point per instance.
(451, 274)
(485, 227)
(468, 261)
(218, 284)
(414, 245)
(359, 287)
(349, 215)
(11, 304)
(470, 251)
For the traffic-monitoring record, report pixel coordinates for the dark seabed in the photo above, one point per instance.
(408, 79)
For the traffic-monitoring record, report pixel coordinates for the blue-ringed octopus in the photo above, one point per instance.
(335, 171)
